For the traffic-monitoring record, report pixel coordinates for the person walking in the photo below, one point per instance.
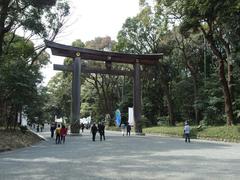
(58, 130)
(82, 127)
(63, 133)
(101, 130)
(128, 129)
(187, 132)
(42, 127)
(52, 129)
(123, 128)
(94, 131)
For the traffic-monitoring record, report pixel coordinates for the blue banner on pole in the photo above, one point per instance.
(118, 117)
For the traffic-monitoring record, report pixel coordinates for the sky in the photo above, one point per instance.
(90, 19)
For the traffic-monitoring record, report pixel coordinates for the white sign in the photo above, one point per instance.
(130, 116)
(86, 120)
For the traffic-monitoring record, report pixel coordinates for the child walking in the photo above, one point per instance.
(63, 133)
(187, 132)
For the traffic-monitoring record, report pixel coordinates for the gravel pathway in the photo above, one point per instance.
(122, 157)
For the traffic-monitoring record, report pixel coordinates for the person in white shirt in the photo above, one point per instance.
(123, 126)
(187, 132)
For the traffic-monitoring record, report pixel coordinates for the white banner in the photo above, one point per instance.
(130, 116)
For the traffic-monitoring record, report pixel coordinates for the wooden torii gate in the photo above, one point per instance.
(108, 57)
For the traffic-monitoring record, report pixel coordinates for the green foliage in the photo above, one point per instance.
(19, 79)
(59, 93)
(217, 22)
(21, 59)
(163, 120)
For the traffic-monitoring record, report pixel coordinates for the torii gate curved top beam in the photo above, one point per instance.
(90, 54)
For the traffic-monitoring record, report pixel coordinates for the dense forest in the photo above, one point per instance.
(196, 80)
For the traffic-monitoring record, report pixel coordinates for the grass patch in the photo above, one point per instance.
(222, 133)
(173, 131)
(113, 128)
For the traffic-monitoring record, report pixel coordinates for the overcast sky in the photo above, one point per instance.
(90, 19)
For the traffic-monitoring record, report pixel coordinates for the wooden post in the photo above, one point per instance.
(137, 98)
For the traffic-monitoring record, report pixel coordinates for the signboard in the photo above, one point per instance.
(130, 116)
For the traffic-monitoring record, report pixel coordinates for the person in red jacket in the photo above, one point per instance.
(63, 133)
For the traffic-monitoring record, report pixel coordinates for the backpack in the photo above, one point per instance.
(58, 131)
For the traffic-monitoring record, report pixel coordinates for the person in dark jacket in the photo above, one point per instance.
(82, 127)
(52, 129)
(101, 129)
(128, 129)
(94, 131)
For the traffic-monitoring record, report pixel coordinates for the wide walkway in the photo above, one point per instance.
(134, 157)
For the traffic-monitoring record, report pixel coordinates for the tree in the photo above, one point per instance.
(213, 19)
(145, 34)
(59, 91)
(41, 19)
(107, 87)
(20, 58)
(18, 80)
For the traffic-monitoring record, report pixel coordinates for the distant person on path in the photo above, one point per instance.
(82, 127)
(94, 131)
(128, 129)
(101, 130)
(58, 133)
(52, 129)
(42, 127)
(63, 133)
(38, 128)
(123, 126)
(187, 132)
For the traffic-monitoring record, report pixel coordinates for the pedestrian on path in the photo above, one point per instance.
(52, 129)
(187, 132)
(82, 127)
(128, 129)
(63, 133)
(123, 126)
(58, 130)
(38, 128)
(101, 130)
(94, 131)
(42, 127)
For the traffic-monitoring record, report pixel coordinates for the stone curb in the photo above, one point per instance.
(40, 136)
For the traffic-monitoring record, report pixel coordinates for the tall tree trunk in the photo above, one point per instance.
(230, 80)
(225, 84)
(3, 15)
(170, 110)
(195, 89)
(226, 93)
(196, 99)
(169, 104)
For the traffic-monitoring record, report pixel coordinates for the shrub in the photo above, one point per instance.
(23, 129)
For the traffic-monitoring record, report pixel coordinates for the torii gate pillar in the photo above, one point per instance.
(76, 89)
(137, 98)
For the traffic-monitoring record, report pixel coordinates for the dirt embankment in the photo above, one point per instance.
(14, 139)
